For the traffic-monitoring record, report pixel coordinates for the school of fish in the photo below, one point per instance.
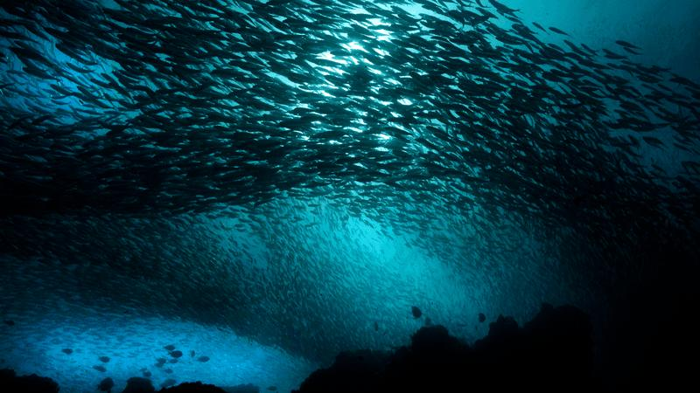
(162, 127)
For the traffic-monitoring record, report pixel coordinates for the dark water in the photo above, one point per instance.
(265, 184)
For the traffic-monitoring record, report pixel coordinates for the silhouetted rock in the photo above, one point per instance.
(193, 387)
(139, 385)
(652, 341)
(434, 339)
(168, 383)
(247, 388)
(553, 352)
(357, 371)
(10, 382)
(106, 385)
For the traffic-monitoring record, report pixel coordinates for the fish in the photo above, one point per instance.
(176, 354)
(502, 8)
(626, 44)
(416, 312)
(482, 317)
(144, 145)
(67, 351)
(104, 359)
(653, 141)
(633, 52)
(101, 369)
(558, 31)
(539, 26)
(203, 359)
(588, 49)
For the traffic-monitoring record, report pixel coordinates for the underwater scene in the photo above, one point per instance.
(349, 196)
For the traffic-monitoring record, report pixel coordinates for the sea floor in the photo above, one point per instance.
(133, 345)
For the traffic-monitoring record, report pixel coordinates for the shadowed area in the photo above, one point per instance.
(237, 191)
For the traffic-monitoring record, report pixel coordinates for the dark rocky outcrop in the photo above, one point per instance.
(10, 382)
(552, 352)
(139, 385)
(193, 387)
(106, 385)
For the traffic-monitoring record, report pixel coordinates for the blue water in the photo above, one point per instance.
(270, 293)
(134, 343)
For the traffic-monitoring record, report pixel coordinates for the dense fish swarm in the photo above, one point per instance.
(243, 163)
(180, 107)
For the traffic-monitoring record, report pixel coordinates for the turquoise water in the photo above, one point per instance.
(321, 245)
